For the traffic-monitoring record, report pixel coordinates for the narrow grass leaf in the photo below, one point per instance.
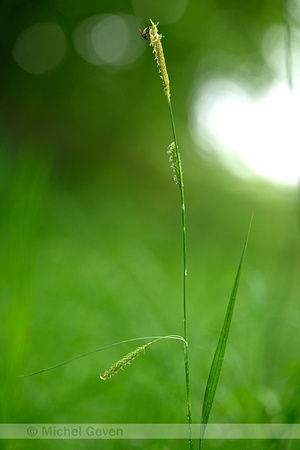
(172, 336)
(217, 362)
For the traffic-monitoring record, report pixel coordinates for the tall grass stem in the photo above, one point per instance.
(185, 334)
(155, 42)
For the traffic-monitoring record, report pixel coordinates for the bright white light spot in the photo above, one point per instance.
(40, 48)
(254, 134)
(262, 135)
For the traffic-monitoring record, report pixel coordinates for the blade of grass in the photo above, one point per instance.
(217, 362)
(33, 165)
(98, 350)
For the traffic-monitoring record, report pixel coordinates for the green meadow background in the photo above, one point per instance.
(91, 245)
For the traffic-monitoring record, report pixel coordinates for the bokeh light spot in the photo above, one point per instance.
(165, 12)
(81, 8)
(257, 132)
(40, 48)
(250, 135)
(109, 39)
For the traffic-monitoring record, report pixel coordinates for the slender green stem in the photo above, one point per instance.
(186, 359)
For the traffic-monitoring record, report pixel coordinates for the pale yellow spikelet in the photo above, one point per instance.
(155, 41)
(126, 360)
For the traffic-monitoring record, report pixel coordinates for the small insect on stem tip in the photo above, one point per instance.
(144, 33)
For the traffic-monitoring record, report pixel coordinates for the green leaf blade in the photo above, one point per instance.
(218, 358)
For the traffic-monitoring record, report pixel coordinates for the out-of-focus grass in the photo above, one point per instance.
(19, 234)
(107, 267)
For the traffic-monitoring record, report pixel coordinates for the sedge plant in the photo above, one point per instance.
(175, 160)
(155, 42)
(215, 370)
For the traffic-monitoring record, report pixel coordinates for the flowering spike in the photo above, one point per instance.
(155, 41)
(126, 360)
(175, 162)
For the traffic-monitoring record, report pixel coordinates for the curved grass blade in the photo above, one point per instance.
(216, 366)
(172, 336)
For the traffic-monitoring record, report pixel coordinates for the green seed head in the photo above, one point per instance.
(175, 163)
(126, 360)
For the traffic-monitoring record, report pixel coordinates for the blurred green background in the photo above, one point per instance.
(91, 249)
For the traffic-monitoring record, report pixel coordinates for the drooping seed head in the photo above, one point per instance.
(126, 360)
